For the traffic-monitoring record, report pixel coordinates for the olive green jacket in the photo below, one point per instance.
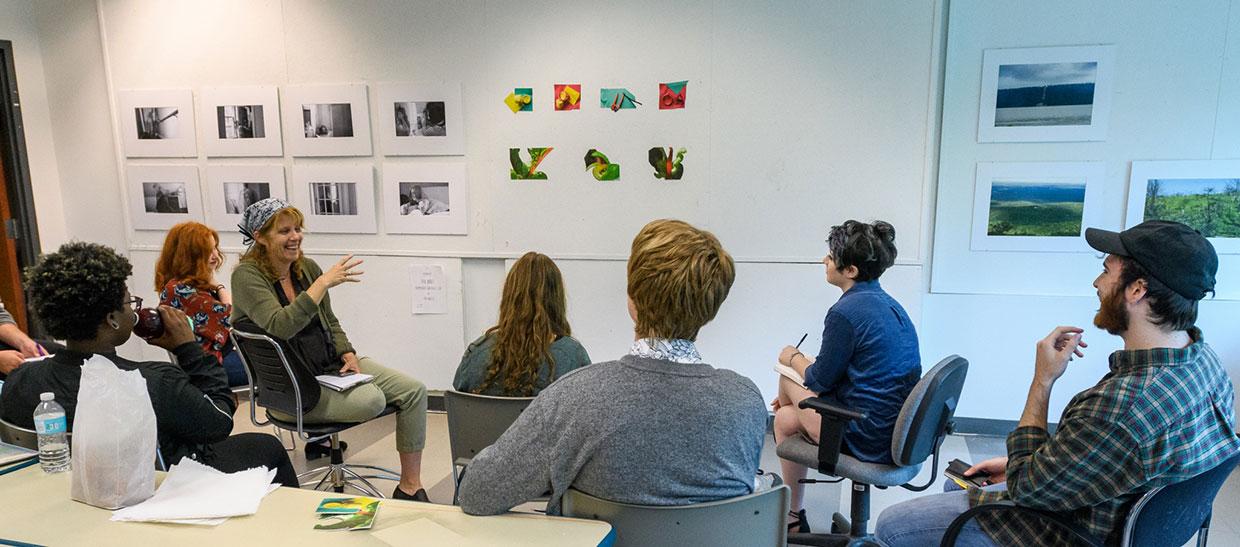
(254, 296)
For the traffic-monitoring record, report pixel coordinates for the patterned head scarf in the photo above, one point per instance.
(257, 215)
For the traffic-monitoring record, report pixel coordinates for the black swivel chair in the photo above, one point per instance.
(279, 382)
(924, 421)
(1167, 515)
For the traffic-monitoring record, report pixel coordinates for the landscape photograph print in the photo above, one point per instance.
(1048, 94)
(1030, 208)
(1036, 206)
(1211, 206)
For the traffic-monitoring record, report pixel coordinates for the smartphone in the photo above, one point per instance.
(956, 470)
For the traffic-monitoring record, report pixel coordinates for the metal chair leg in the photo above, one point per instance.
(370, 488)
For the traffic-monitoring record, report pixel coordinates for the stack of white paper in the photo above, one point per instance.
(193, 493)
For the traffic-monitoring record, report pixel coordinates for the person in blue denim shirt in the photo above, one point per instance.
(869, 359)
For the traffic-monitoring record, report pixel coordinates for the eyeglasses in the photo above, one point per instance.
(135, 300)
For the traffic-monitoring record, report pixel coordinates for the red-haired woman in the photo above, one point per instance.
(185, 279)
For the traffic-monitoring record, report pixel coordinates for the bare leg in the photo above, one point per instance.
(790, 421)
(410, 471)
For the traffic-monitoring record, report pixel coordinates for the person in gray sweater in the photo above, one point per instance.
(658, 426)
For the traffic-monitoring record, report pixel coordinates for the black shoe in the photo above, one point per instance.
(420, 495)
(322, 449)
(800, 525)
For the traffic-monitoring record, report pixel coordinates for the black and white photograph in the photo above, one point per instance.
(420, 119)
(323, 121)
(165, 197)
(1045, 94)
(243, 121)
(240, 121)
(229, 189)
(158, 122)
(336, 198)
(424, 198)
(160, 196)
(239, 195)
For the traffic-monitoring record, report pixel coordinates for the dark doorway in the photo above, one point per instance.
(19, 233)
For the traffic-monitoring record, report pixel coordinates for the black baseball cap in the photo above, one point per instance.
(1178, 256)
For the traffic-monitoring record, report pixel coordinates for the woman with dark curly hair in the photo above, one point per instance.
(869, 360)
(185, 276)
(79, 293)
(531, 345)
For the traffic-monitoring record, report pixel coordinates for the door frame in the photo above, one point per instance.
(17, 169)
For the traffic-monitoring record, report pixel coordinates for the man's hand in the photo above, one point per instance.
(1054, 352)
(10, 360)
(994, 468)
(176, 329)
(351, 364)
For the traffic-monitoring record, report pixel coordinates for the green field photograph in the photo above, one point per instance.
(1211, 206)
(1041, 209)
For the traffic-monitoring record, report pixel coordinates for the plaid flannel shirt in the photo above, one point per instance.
(1160, 416)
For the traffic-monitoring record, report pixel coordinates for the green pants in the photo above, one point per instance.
(366, 401)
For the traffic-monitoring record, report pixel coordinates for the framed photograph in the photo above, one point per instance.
(427, 198)
(336, 198)
(232, 188)
(326, 120)
(240, 121)
(157, 123)
(421, 119)
(1037, 207)
(161, 196)
(1202, 194)
(1049, 94)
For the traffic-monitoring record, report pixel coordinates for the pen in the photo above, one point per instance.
(803, 336)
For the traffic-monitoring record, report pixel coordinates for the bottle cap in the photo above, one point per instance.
(47, 396)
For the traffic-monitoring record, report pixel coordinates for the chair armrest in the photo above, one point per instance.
(953, 531)
(831, 435)
(826, 409)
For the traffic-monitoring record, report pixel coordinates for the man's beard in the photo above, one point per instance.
(1112, 313)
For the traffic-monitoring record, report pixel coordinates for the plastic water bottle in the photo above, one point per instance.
(50, 424)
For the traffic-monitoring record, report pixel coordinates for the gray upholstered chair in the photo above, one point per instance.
(753, 520)
(476, 422)
(924, 421)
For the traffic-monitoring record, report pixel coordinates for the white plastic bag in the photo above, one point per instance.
(114, 437)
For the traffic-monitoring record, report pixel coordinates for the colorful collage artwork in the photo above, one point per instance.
(601, 167)
(567, 97)
(527, 171)
(672, 95)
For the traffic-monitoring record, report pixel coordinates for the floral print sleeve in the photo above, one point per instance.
(211, 325)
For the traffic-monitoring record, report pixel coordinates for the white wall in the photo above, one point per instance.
(800, 115)
(1175, 98)
(18, 26)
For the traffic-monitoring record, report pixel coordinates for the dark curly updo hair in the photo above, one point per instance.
(869, 247)
(73, 289)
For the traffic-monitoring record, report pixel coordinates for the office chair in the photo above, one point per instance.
(476, 422)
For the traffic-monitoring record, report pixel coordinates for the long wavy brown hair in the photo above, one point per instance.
(186, 256)
(258, 252)
(531, 317)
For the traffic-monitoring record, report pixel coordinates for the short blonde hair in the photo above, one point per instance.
(678, 277)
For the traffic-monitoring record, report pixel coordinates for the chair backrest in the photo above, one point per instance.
(477, 421)
(273, 383)
(18, 436)
(923, 419)
(1170, 515)
(753, 520)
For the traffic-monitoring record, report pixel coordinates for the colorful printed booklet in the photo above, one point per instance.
(347, 513)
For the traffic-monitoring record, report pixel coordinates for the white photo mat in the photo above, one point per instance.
(1178, 177)
(1090, 174)
(230, 190)
(1099, 113)
(240, 121)
(336, 198)
(448, 94)
(399, 218)
(157, 123)
(162, 196)
(320, 109)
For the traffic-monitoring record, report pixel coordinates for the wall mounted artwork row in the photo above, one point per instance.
(431, 198)
(568, 97)
(1046, 206)
(318, 120)
(666, 163)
